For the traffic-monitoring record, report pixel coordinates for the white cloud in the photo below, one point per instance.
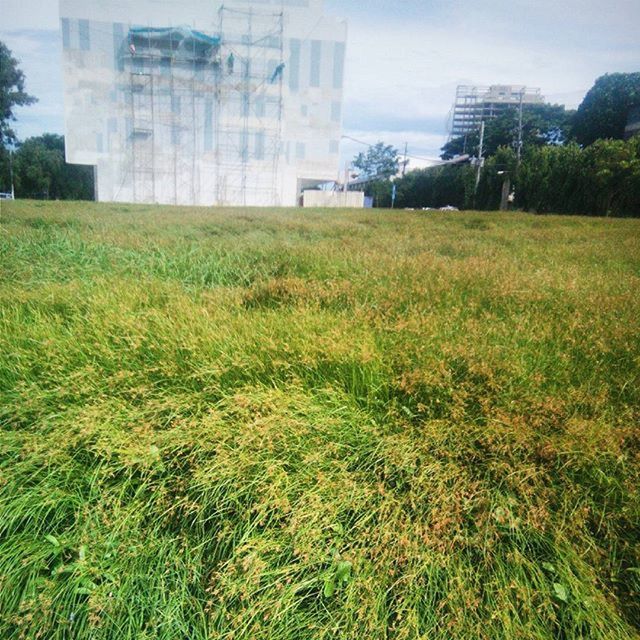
(29, 14)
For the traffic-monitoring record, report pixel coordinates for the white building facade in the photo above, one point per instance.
(203, 103)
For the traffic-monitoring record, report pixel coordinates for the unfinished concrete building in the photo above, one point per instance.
(475, 104)
(199, 102)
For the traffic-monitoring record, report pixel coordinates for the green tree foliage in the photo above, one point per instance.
(603, 179)
(437, 187)
(498, 168)
(541, 124)
(40, 171)
(604, 110)
(12, 94)
(379, 161)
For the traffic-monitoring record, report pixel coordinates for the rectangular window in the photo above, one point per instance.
(260, 145)
(112, 125)
(336, 111)
(118, 46)
(208, 125)
(334, 147)
(99, 143)
(83, 33)
(165, 66)
(175, 134)
(66, 34)
(316, 51)
(175, 105)
(301, 150)
(294, 65)
(338, 64)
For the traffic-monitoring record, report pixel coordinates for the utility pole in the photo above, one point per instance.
(519, 150)
(480, 159)
(13, 191)
(404, 162)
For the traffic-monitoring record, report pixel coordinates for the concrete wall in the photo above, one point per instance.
(207, 143)
(334, 199)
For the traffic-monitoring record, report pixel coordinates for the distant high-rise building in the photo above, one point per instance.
(475, 104)
(201, 102)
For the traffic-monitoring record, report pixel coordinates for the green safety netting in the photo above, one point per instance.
(176, 34)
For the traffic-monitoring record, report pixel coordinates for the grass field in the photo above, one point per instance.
(317, 425)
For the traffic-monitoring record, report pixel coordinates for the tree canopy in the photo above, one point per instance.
(541, 124)
(380, 161)
(40, 171)
(12, 94)
(603, 112)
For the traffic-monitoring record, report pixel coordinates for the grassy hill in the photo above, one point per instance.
(246, 424)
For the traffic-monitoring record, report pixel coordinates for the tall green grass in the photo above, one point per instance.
(310, 424)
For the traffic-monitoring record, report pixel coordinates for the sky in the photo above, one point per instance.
(404, 59)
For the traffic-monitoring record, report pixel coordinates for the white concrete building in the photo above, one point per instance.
(199, 102)
(475, 104)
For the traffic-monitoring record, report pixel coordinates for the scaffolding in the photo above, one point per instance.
(475, 104)
(205, 118)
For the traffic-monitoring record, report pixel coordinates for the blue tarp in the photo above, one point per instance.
(175, 33)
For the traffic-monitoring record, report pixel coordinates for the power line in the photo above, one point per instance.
(367, 144)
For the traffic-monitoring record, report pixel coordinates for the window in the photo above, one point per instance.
(336, 111)
(294, 65)
(301, 151)
(334, 147)
(83, 31)
(338, 64)
(66, 33)
(316, 51)
(118, 41)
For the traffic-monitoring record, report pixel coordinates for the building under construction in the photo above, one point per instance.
(201, 103)
(476, 104)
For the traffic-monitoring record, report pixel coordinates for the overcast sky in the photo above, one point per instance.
(404, 58)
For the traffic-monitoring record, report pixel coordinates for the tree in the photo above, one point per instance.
(437, 187)
(12, 94)
(42, 173)
(380, 161)
(604, 110)
(541, 124)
